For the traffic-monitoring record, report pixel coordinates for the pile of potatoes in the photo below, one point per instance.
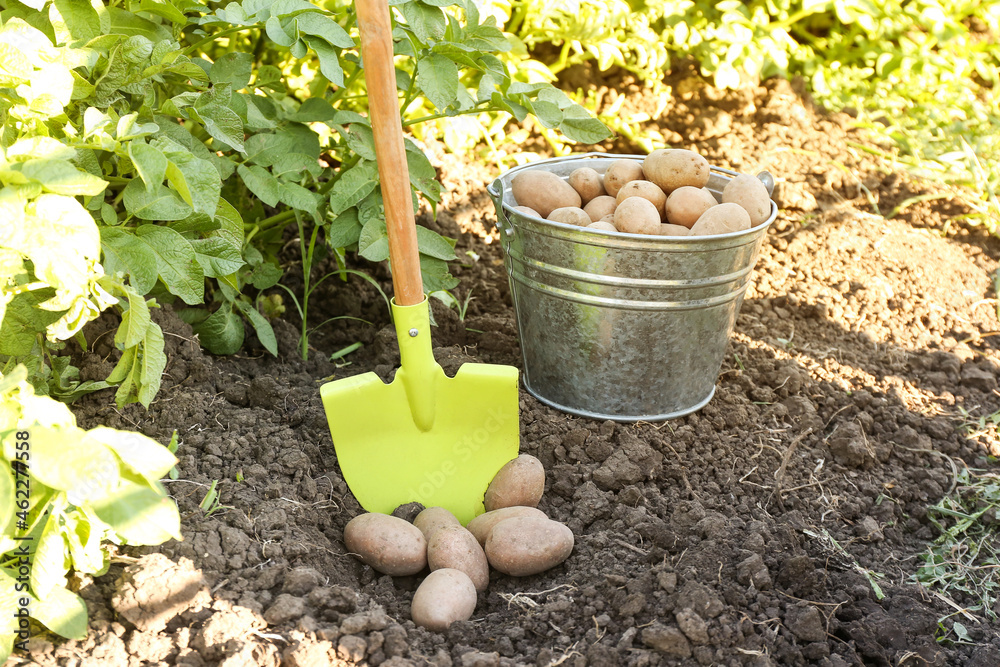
(663, 195)
(513, 537)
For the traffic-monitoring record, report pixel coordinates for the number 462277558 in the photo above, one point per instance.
(20, 467)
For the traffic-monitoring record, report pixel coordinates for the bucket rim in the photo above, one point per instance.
(498, 187)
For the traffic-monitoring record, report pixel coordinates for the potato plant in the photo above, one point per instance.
(67, 495)
(164, 147)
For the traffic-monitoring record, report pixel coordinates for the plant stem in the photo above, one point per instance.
(275, 220)
(223, 33)
(435, 116)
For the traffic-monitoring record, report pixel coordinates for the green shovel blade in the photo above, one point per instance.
(424, 437)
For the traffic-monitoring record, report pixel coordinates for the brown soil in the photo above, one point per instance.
(835, 419)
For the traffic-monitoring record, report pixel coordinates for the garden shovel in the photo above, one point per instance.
(424, 437)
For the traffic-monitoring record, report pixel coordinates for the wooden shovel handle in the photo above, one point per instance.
(383, 109)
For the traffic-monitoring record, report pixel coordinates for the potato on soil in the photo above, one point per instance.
(443, 597)
(570, 215)
(667, 229)
(603, 225)
(526, 545)
(519, 483)
(636, 215)
(543, 191)
(432, 519)
(527, 210)
(598, 207)
(457, 548)
(646, 190)
(386, 543)
(587, 182)
(671, 168)
(750, 193)
(686, 204)
(619, 173)
(483, 524)
(722, 219)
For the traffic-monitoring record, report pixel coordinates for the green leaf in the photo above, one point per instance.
(354, 185)
(63, 178)
(164, 9)
(135, 321)
(579, 125)
(175, 262)
(139, 515)
(6, 498)
(344, 230)
(435, 274)
(83, 533)
(196, 181)
(265, 275)
(154, 360)
(290, 166)
(438, 77)
(313, 110)
(150, 162)
(217, 256)
(373, 244)
(277, 34)
(329, 62)
(49, 566)
(143, 455)
(163, 204)
(433, 244)
(314, 23)
(260, 182)
(230, 224)
(427, 23)
(360, 139)
(298, 197)
(222, 332)
(222, 124)
(62, 611)
(124, 366)
(124, 252)
(234, 68)
(265, 333)
(23, 321)
(196, 223)
(264, 149)
(80, 19)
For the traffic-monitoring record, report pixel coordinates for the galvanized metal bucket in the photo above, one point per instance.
(618, 326)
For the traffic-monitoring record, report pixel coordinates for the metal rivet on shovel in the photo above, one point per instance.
(425, 437)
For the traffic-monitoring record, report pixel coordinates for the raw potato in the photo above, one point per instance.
(519, 483)
(603, 225)
(587, 182)
(571, 215)
(527, 210)
(526, 545)
(483, 524)
(667, 229)
(543, 191)
(619, 173)
(671, 168)
(609, 218)
(443, 597)
(598, 207)
(636, 215)
(646, 190)
(686, 204)
(388, 544)
(750, 193)
(722, 219)
(432, 519)
(457, 548)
